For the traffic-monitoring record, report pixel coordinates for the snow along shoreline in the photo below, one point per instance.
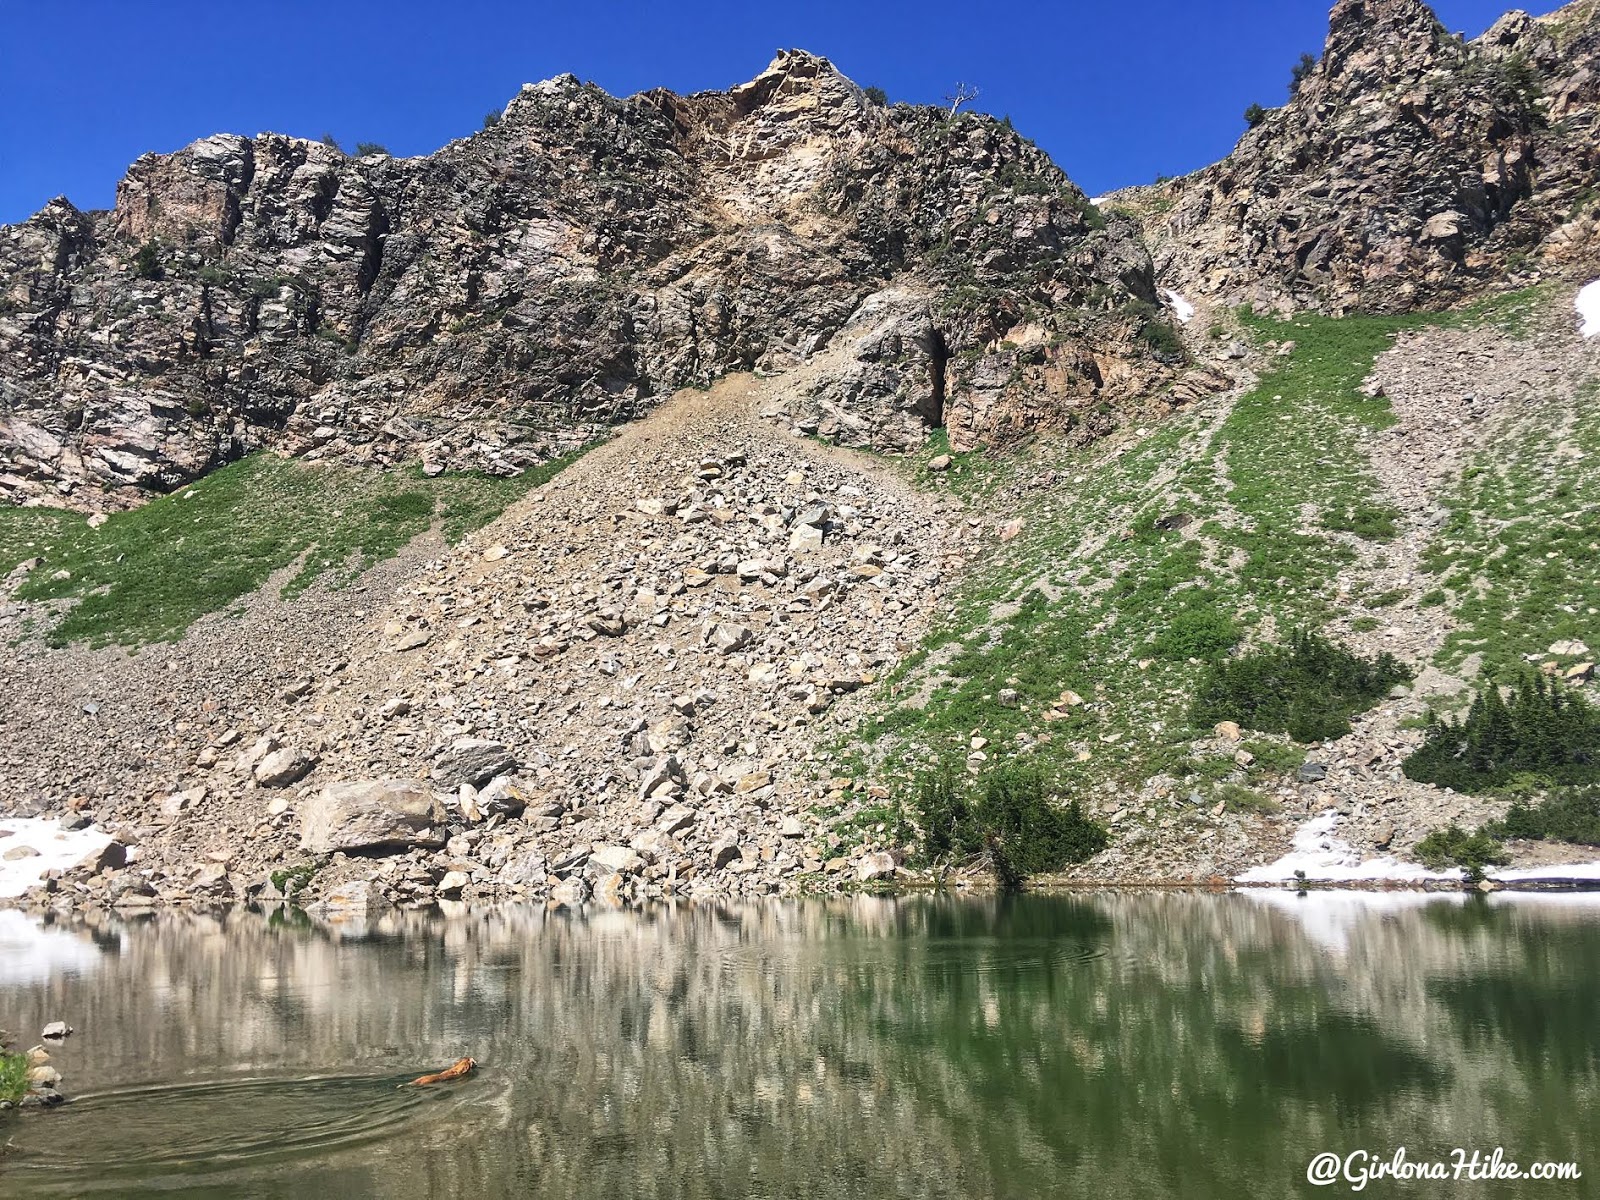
(53, 849)
(1320, 856)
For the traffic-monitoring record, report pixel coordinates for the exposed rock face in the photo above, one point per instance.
(1409, 168)
(498, 301)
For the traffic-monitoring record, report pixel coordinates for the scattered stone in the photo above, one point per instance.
(282, 767)
(474, 761)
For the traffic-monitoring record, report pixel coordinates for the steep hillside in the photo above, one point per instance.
(1423, 486)
(941, 509)
(1408, 169)
(497, 302)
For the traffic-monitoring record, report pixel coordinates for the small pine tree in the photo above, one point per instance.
(1302, 69)
(332, 143)
(1543, 731)
(491, 118)
(877, 95)
(147, 261)
(1254, 115)
(365, 148)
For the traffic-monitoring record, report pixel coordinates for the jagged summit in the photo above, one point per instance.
(1408, 169)
(499, 300)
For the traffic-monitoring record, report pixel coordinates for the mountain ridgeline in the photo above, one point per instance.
(573, 263)
(1409, 169)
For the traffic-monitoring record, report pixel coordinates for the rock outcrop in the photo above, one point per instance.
(1408, 169)
(501, 300)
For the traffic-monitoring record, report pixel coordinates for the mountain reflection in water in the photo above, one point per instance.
(1105, 1045)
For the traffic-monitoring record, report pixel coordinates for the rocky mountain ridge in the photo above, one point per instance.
(509, 296)
(1409, 169)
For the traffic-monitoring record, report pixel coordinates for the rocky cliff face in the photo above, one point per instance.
(497, 301)
(1408, 169)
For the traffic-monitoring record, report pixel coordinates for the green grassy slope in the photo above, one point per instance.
(1229, 524)
(148, 574)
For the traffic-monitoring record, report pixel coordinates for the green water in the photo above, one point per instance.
(1102, 1046)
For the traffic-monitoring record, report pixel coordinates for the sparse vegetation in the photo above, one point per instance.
(1254, 115)
(1518, 551)
(1372, 522)
(1308, 689)
(877, 96)
(365, 148)
(148, 574)
(1238, 798)
(147, 261)
(491, 118)
(1102, 596)
(1008, 819)
(290, 880)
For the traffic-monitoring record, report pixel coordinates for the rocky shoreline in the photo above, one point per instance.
(41, 1081)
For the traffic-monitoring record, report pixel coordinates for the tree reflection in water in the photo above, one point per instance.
(1107, 1045)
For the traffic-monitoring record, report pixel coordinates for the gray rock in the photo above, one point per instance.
(283, 766)
(474, 761)
(371, 815)
(620, 860)
(878, 865)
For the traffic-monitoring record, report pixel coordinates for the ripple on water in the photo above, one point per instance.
(153, 1136)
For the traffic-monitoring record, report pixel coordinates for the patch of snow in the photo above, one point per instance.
(1325, 858)
(31, 953)
(1180, 307)
(1588, 306)
(1097, 201)
(57, 849)
(1568, 871)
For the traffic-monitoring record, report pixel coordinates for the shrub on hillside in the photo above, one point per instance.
(1455, 847)
(147, 261)
(1544, 731)
(1302, 71)
(1198, 632)
(1254, 115)
(1308, 689)
(1007, 818)
(1569, 816)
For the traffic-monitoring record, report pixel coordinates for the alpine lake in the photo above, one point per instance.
(1101, 1045)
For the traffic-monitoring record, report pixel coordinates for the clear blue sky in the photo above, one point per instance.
(1116, 92)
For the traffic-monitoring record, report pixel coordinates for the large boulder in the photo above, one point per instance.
(372, 815)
